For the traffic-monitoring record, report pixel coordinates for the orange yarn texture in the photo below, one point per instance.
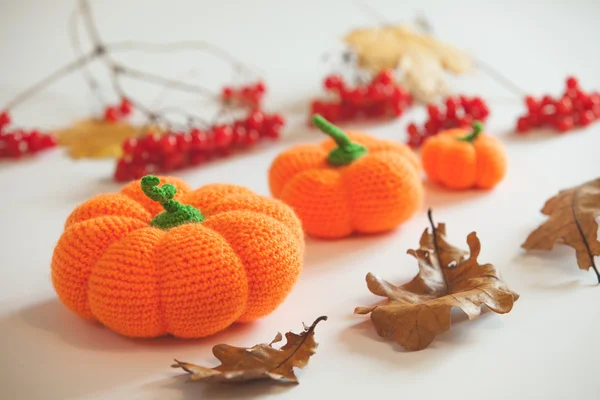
(374, 193)
(190, 281)
(461, 164)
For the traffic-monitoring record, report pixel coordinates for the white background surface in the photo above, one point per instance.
(546, 348)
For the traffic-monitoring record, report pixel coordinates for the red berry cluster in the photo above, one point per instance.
(574, 108)
(382, 97)
(248, 95)
(457, 112)
(116, 113)
(17, 143)
(175, 150)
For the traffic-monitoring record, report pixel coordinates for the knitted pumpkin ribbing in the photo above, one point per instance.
(350, 183)
(144, 269)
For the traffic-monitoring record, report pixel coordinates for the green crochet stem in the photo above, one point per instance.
(175, 213)
(346, 152)
(477, 129)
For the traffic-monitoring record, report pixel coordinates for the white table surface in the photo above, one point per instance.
(546, 348)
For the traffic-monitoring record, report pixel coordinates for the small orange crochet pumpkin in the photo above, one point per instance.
(189, 273)
(459, 159)
(349, 183)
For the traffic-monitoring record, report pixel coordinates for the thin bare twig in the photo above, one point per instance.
(56, 75)
(159, 80)
(102, 53)
(88, 77)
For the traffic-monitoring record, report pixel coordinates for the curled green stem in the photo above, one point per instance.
(175, 213)
(347, 151)
(477, 129)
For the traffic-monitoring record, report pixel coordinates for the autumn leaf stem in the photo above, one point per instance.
(583, 238)
(436, 249)
(306, 335)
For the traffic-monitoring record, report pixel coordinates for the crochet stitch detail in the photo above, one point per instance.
(191, 280)
(375, 193)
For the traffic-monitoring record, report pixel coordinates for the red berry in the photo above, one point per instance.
(112, 114)
(356, 96)
(255, 120)
(547, 101)
(150, 143)
(122, 171)
(586, 117)
(183, 141)
(273, 132)
(385, 77)
(199, 140)
(333, 82)
(532, 104)
(197, 157)
(431, 128)
(450, 113)
(167, 143)
(47, 141)
(222, 135)
(316, 107)
(564, 124)
(434, 112)
(4, 119)
(252, 137)
(227, 93)
(125, 107)
(564, 106)
(397, 109)
(173, 161)
(465, 121)
(572, 82)
(412, 129)
(276, 119)
(130, 145)
(452, 103)
(375, 92)
(239, 133)
(15, 146)
(415, 141)
(34, 141)
(260, 87)
(523, 125)
(138, 171)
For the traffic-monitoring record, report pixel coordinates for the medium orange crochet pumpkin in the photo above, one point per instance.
(459, 159)
(349, 183)
(189, 273)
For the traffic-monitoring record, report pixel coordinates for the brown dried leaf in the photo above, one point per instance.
(262, 361)
(419, 310)
(422, 58)
(94, 138)
(572, 222)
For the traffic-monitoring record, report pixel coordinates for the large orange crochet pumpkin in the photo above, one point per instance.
(189, 273)
(462, 159)
(351, 182)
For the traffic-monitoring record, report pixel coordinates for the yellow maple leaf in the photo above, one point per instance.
(95, 138)
(422, 58)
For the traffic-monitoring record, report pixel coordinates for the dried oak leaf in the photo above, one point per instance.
(262, 361)
(417, 311)
(572, 222)
(422, 58)
(95, 138)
